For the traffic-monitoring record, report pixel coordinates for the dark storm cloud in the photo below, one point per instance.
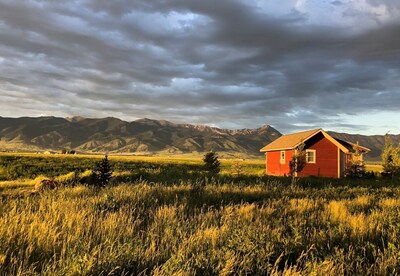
(227, 63)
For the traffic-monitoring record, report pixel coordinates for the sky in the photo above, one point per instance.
(292, 64)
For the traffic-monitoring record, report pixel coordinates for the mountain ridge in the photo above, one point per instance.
(113, 135)
(374, 142)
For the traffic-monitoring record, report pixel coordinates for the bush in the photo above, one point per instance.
(355, 170)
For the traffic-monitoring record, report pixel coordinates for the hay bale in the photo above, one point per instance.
(46, 184)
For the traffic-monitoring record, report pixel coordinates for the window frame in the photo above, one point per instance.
(314, 154)
(282, 160)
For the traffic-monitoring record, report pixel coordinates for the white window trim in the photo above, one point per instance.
(282, 160)
(315, 156)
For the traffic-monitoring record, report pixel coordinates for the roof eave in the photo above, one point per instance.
(366, 150)
(267, 150)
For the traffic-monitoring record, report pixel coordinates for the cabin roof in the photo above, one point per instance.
(291, 141)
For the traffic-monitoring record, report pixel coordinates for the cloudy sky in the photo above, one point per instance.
(293, 64)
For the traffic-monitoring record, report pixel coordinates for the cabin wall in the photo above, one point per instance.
(327, 158)
(273, 165)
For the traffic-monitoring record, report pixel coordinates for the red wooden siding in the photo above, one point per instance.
(326, 158)
(274, 166)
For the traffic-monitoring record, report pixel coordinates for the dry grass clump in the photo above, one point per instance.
(360, 224)
(302, 205)
(392, 203)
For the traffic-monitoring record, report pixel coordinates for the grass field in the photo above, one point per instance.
(155, 219)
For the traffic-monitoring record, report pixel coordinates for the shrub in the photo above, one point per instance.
(355, 170)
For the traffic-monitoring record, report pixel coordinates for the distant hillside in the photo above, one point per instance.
(115, 135)
(146, 136)
(373, 142)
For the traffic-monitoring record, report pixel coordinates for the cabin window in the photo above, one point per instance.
(311, 156)
(282, 157)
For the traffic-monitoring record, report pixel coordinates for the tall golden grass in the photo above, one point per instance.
(137, 228)
(155, 228)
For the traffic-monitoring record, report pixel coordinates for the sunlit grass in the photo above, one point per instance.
(230, 229)
(21, 182)
(267, 226)
(373, 167)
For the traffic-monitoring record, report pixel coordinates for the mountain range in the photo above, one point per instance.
(116, 136)
(145, 136)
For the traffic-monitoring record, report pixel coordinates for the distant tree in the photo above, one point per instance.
(298, 161)
(238, 166)
(102, 173)
(64, 151)
(390, 157)
(211, 163)
(387, 155)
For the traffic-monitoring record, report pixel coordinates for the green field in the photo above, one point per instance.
(19, 171)
(163, 216)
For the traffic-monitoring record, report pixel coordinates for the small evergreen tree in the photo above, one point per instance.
(102, 173)
(211, 163)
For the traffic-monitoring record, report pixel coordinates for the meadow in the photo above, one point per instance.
(164, 217)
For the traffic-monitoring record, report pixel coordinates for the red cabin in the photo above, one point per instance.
(325, 156)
